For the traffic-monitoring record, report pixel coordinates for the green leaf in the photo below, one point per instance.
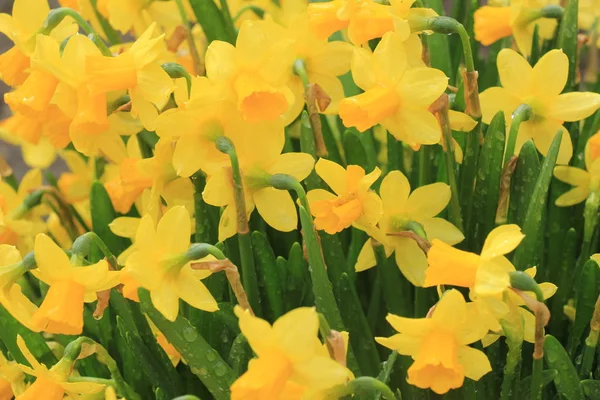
(567, 380)
(527, 254)
(395, 154)
(567, 40)
(487, 188)
(211, 20)
(468, 172)
(563, 278)
(103, 213)
(268, 275)
(204, 361)
(587, 294)
(354, 149)
(591, 388)
(307, 145)
(513, 327)
(239, 355)
(523, 183)
(548, 376)
(298, 286)
(331, 139)
(356, 322)
(397, 291)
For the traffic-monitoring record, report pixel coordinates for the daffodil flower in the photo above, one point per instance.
(260, 157)
(19, 225)
(289, 359)
(52, 384)
(137, 70)
(396, 96)
(352, 203)
(12, 379)
(159, 264)
(71, 285)
(539, 88)
(254, 73)
(400, 208)
(439, 345)
(518, 19)
(585, 181)
(487, 274)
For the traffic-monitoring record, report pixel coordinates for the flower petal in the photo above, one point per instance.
(394, 191)
(422, 85)
(403, 344)
(174, 230)
(574, 196)
(192, 291)
(497, 99)
(52, 262)
(574, 106)
(165, 300)
(277, 208)
(550, 74)
(298, 165)
(475, 362)
(515, 73)
(571, 175)
(439, 228)
(501, 240)
(411, 260)
(429, 200)
(333, 174)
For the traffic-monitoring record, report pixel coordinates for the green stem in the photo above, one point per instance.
(449, 25)
(591, 342)
(249, 278)
(256, 10)
(590, 217)
(177, 71)
(227, 19)
(537, 381)
(521, 114)
(364, 384)
(190, 37)
(83, 245)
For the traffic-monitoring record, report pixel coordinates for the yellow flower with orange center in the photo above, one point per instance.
(439, 345)
(71, 285)
(256, 71)
(396, 95)
(352, 203)
(487, 274)
(290, 362)
(540, 88)
(401, 209)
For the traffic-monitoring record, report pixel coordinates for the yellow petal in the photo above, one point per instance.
(501, 240)
(277, 208)
(411, 260)
(413, 126)
(174, 230)
(422, 86)
(333, 174)
(371, 210)
(320, 373)
(218, 190)
(492, 278)
(571, 175)
(439, 228)
(220, 60)
(394, 191)
(573, 196)
(83, 388)
(31, 181)
(89, 276)
(298, 165)
(548, 289)
(389, 59)
(410, 326)
(515, 72)
(366, 257)
(497, 99)
(461, 122)
(319, 194)
(574, 106)
(296, 331)
(362, 71)
(550, 74)
(543, 132)
(403, 344)
(52, 262)
(451, 311)
(192, 291)
(125, 226)
(429, 200)
(334, 60)
(227, 223)
(257, 331)
(37, 367)
(475, 362)
(165, 300)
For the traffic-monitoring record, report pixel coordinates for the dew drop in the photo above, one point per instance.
(190, 334)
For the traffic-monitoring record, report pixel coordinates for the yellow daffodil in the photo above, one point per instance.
(75, 185)
(52, 384)
(70, 286)
(137, 70)
(159, 264)
(19, 225)
(255, 72)
(439, 345)
(518, 19)
(539, 88)
(351, 203)
(198, 121)
(589, 12)
(12, 379)
(290, 363)
(487, 273)
(396, 96)
(585, 181)
(365, 19)
(11, 296)
(400, 209)
(260, 157)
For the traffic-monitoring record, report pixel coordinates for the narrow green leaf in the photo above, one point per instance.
(397, 291)
(211, 20)
(591, 389)
(332, 141)
(308, 146)
(268, 275)
(567, 40)
(523, 183)
(204, 361)
(548, 376)
(103, 213)
(590, 127)
(354, 149)
(468, 172)
(395, 154)
(587, 294)
(527, 253)
(563, 278)
(536, 50)
(513, 327)
(356, 322)
(487, 188)
(567, 380)
(239, 355)
(334, 257)
(298, 286)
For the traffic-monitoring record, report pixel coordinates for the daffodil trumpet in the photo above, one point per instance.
(226, 146)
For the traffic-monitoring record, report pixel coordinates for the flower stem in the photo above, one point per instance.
(521, 114)
(590, 218)
(177, 71)
(591, 342)
(364, 384)
(83, 245)
(249, 279)
(190, 38)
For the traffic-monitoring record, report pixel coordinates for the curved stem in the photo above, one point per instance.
(590, 217)
(521, 114)
(177, 71)
(190, 38)
(249, 279)
(83, 245)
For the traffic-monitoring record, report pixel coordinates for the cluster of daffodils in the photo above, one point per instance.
(239, 175)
